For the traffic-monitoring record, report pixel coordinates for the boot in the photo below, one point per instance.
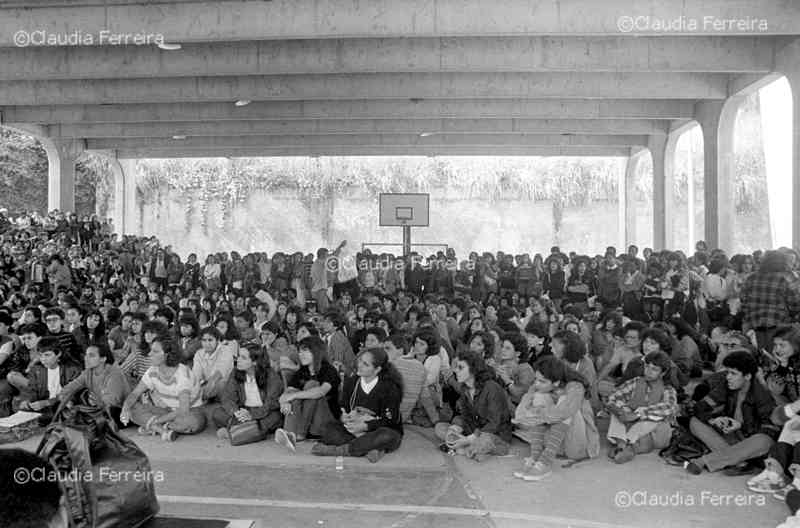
(321, 449)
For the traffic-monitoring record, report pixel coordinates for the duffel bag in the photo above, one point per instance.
(106, 478)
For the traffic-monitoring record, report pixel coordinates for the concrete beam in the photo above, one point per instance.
(368, 86)
(410, 55)
(375, 151)
(354, 109)
(355, 140)
(297, 19)
(363, 126)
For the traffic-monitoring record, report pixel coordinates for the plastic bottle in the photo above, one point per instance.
(339, 463)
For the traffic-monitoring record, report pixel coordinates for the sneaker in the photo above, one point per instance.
(539, 471)
(625, 455)
(374, 455)
(169, 435)
(527, 463)
(692, 467)
(768, 481)
(223, 434)
(783, 492)
(286, 439)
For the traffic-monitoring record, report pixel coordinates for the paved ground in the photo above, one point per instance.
(418, 486)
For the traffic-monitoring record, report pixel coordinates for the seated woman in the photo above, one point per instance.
(371, 424)
(45, 380)
(251, 393)
(642, 410)
(102, 378)
(481, 426)
(213, 365)
(572, 349)
(513, 369)
(310, 400)
(565, 425)
(426, 350)
(176, 397)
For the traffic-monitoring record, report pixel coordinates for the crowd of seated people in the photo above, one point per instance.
(346, 348)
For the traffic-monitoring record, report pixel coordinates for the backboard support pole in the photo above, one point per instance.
(406, 240)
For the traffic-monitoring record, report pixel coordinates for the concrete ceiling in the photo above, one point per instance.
(371, 77)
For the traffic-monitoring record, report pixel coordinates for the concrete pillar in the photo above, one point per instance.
(125, 213)
(787, 61)
(794, 82)
(627, 200)
(126, 193)
(662, 150)
(61, 158)
(717, 120)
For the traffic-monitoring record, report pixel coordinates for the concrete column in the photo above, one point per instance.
(627, 200)
(130, 214)
(61, 158)
(662, 150)
(717, 119)
(794, 82)
(124, 214)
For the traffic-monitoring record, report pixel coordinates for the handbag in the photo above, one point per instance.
(242, 433)
(114, 487)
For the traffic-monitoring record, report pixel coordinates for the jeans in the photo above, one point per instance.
(192, 422)
(309, 416)
(723, 451)
(381, 439)
(268, 424)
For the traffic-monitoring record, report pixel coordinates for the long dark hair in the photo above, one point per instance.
(557, 370)
(477, 367)
(388, 371)
(100, 329)
(258, 355)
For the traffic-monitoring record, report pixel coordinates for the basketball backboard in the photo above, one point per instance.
(404, 209)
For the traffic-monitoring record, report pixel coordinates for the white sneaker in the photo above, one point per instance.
(791, 522)
(286, 439)
(767, 481)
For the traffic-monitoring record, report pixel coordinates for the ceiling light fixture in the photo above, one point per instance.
(243, 102)
(179, 136)
(427, 134)
(166, 46)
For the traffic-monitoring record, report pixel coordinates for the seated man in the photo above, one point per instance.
(743, 430)
(641, 411)
(16, 362)
(411, 370)
(45, 381)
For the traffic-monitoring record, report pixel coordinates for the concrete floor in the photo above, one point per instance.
(418, 486)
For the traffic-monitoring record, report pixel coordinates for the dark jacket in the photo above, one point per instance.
(383, 400)
(757, 406)
(233, 395)
(487, 413)
(37, 382)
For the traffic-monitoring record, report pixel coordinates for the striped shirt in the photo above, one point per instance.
(167, 393)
